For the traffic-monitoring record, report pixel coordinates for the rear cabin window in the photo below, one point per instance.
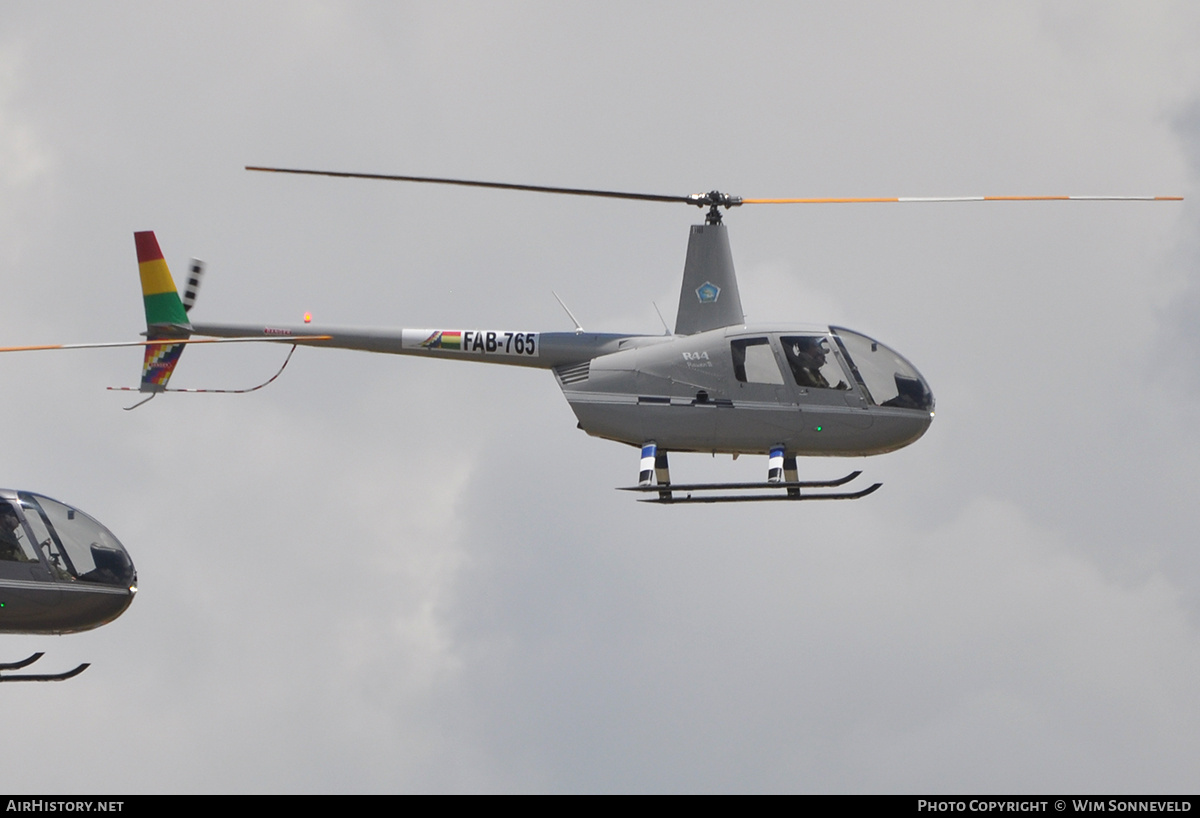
(753, 361)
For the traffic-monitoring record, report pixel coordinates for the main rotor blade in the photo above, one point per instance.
(157, 342)
(713, 199)
(570, 191)
(907, 199)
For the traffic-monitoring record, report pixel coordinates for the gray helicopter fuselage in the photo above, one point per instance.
(734, 389)
(737, 390)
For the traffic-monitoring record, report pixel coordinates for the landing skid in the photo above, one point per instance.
(36, 677)
(792, 490)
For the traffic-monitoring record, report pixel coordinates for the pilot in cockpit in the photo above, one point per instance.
(10, 543)
(806, 357)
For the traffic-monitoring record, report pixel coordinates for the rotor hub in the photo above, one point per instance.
(714, 200)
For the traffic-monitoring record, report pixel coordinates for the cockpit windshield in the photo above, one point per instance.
(76, 546)
(883, 374)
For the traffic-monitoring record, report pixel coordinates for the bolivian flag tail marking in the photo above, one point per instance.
(158, 288)
(442, 339)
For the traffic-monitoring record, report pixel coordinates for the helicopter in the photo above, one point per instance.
(714, 384)
(61, 571)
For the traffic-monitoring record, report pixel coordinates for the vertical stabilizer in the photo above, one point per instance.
(709, 298)
(158, 288)
(165, 316)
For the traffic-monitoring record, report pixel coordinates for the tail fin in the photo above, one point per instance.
(165, 316)
(709, 297)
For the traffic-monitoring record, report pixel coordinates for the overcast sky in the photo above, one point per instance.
(390, 574)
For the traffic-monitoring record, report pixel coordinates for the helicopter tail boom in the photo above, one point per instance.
(537, 350)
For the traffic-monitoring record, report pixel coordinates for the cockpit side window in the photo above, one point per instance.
(811, 363)
(753, 361)
(45, 540)
(15, 545)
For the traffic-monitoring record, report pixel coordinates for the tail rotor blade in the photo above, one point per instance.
(195, 273)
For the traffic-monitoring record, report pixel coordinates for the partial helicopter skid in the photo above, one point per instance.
(792, 490)
(37, 677)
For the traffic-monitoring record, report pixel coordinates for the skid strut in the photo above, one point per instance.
(655, 470)
(646, 473)
(36, 677)
(791, 475)
(775, 465)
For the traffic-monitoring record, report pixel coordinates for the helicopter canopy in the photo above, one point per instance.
(65, 541)
(884, 374)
